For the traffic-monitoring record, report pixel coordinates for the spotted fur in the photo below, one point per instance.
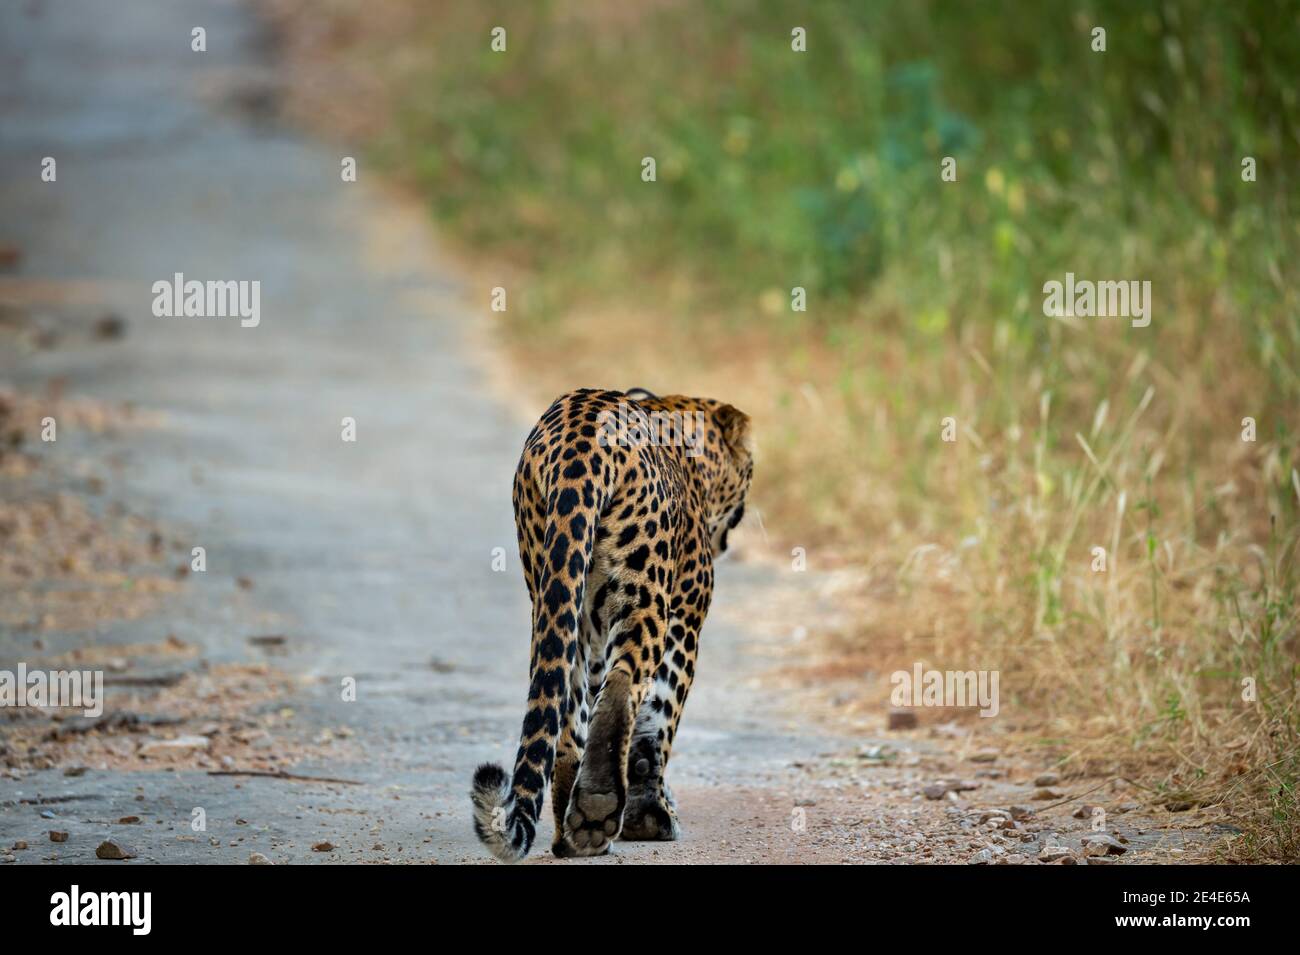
(617, 540)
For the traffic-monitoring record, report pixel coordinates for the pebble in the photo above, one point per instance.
(128, 820)
(1021, 813)
(258, 859)
(876, 754)
(57, 836)
(901, 719)
(1047, 779)
(181, 744)
(111, 849)
(1101, 843)
(323, 847)
(20, 844)
(1053, 853)
(110, 326)
(1042, 795)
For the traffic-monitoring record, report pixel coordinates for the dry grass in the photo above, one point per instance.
(979, 554)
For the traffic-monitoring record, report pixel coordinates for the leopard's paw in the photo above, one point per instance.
(651, 813)
(650, 821)
(591, 823)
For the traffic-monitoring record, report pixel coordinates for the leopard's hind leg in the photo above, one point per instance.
(651, 812)
(630, 606)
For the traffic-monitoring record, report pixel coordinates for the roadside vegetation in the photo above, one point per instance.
(1177, 663)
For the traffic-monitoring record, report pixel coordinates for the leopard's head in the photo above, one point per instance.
(718, 443)
(730, 483)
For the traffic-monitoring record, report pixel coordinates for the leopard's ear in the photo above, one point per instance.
(734, 426)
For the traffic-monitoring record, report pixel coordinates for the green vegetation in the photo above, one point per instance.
(822, 169)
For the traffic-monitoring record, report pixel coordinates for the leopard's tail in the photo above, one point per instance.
(506, 809)
(496, 818)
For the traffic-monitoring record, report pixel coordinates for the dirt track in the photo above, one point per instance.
(370, 560)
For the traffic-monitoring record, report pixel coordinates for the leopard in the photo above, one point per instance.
(623, 500)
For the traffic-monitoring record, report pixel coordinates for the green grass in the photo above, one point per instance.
(821, 169)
